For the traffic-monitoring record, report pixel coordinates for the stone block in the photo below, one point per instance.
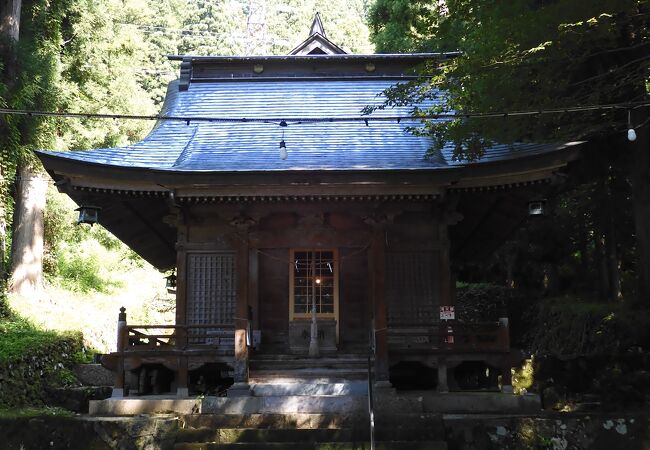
(93, 375)
(300, 336)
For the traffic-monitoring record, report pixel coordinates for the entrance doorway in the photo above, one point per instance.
(314, 286)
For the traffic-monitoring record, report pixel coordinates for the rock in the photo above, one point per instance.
(76, 398)
(551, 398)
(93, 375)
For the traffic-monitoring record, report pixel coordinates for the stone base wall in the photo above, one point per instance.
(462, 431)
(549, 431)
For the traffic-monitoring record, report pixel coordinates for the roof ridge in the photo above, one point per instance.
(317, 26)
(186, 152)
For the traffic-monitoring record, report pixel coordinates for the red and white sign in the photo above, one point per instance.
(447, 313)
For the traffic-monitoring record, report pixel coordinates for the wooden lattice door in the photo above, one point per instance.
(211, 292)
(411, 288)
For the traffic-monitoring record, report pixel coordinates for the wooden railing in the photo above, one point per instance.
(159, 337)
(451, 336)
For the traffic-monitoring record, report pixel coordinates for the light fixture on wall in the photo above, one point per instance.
(171, 281)
(537, 208)
(88, 214)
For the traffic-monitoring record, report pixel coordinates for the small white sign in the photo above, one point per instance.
(447, 313)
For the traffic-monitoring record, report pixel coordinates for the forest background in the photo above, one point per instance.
(110, 56)
(578, 267)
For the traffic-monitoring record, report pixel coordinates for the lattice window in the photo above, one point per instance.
(314, 280)
(411, 288)
(211, 290)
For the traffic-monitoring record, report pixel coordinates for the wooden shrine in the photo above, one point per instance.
(295, 226)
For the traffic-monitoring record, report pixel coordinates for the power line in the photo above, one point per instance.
(301, 120)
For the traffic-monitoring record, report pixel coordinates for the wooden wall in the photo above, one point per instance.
(273, 298)
(353, 299)
(412, 252)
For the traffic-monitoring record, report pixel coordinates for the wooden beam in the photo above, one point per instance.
(148, 225)
(488, 211)
(241, 319)
(253, 286)
(377, 266)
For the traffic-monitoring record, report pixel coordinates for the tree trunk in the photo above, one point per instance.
(641, 202)
(9, 32)
(583, 239)
(512, 251)
(27, 242)
(600, 261)
(613, 262)
(10, 18)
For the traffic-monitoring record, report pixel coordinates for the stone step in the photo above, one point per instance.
(290, 356)
(358, 433)
(233, 435)
(419, 425)
(314, 375)
(286, 404)
(390, 445)
(328, 388)
(272, 420)
(286, 362)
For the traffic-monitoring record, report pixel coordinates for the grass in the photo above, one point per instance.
(90, 275)
(20, 337)
(29, 412)
(140, 290)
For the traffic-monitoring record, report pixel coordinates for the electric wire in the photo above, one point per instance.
(301, 120)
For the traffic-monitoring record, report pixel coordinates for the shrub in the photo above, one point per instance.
(33, 360)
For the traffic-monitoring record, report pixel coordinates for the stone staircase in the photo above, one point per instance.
(309, 431)
(297, 369)
(309, 404)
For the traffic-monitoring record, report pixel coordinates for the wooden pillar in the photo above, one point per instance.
(377, 265)
(448, 216)
(122, 342)
(506, 374)
(443, 386)
(253, 287)
(446, 289)
(241, 387)
(182, 377)
(182, 387)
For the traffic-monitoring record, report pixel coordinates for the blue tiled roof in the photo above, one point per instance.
(254, 146)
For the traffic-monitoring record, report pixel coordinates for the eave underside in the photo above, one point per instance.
(139, 211)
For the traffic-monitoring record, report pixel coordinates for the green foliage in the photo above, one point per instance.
(18, 337)
(31, 360)
(403, 25)
(80, 270)
(344, 22)
(570, 326)
(481, 302)
(65, 377)
(519, 55)
(76, 255)
(29, 412)
(5, 312)
(84, 356)
(523, 378)
(221, 27)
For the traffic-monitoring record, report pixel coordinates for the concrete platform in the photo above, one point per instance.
(459, 402)
(386, 403)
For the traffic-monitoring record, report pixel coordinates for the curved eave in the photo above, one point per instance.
(135, 201)
(467, 175)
